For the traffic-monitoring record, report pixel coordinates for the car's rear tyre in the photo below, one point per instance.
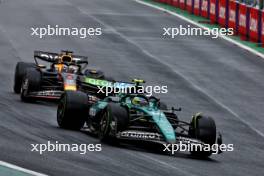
(204, 129)
(72, 110)
(20, 72)
(113, 112)
(31, 83)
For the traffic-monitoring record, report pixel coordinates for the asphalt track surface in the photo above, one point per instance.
(202, 74)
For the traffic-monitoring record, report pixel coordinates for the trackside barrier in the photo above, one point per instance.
(246, 21)
(189, 5)
(169, 2)
(243, 21)
(197, 7)
(205, 8)
(223, 13)
(182, 4)
(233, 19)
(262, 28)
(175, 3)
(214, 11)
(254, 24)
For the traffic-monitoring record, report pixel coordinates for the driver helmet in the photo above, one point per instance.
(73, 69)
(139, 101)
(60, 68)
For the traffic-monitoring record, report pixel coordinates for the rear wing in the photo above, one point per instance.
(54, 57)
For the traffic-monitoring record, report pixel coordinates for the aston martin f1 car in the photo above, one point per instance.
(135, 117)
(64, 71)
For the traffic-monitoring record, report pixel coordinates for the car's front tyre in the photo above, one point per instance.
(203, 128)
(113, 112)
(72, 110)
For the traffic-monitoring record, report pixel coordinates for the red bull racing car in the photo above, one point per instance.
(65, 71)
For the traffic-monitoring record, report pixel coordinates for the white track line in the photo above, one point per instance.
(11, 166)
(169, 66)
(198, 88)
(201, 26)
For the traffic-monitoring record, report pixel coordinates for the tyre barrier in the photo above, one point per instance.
(254, 25)
(205, 8)
(243, 21)
(182, 4)
(233, 18)
(175, 3)
(223, 13)
(246, 21)
(197, 7)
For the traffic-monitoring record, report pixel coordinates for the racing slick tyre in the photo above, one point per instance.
(113, 112)
(20, 72)
(203, 128)
(120, 115)
(72, 110)
(31, 83)
(104, 126)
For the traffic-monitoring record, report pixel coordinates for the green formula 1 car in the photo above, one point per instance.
(135, 117)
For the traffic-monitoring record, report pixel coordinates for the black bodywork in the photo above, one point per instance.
(60, 72)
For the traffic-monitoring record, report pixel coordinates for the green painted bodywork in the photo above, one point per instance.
(150, 110)
(162, 122)
(97, 107)
(105, 83)
(97, 82)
